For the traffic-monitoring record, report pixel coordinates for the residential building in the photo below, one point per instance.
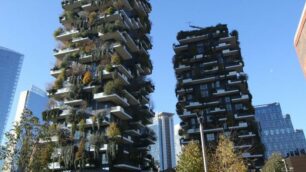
(296, 163)
(277, 132)
(164, 148)
(211, 82)
(300, 41)
(101, 87)
(11, 63)
(35, 101)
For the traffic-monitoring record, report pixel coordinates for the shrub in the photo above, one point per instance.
(110, 11)
(92, 17)
(59, 82)
(58, 32)
(115, 59)
(109, 68)
(113, 131)
(87, 78)
(113, 86)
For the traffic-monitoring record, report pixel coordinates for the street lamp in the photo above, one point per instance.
(286, 169)
(201, 121)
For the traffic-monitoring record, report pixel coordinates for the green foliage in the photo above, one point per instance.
(59, 82)
(67, 156)
(92, 17)
(113, 86)
(109, 68)
(75, 92)
(110, 10)
(190, 159)
(82, 127)
(274, 164)
(113, 131)
(97, 140)
(58, 32)
(80, 155)
(115, 59)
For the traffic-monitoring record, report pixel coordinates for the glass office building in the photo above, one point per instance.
(10, 66)
(278, 134)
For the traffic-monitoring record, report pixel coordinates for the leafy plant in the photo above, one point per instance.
(113, 86)
(190, 159)
(274, 164)
(115, 59)
(80, 155)
(113, 131)
(109, 68)
(59, 82)
(97, 140)
(87, 78)
(58, 32)
(110, 10)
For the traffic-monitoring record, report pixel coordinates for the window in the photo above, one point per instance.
(200, 48)
(189, 97)
(238, 106)
(218, 84)
(204, 90)
(210, 137)
(266, 132)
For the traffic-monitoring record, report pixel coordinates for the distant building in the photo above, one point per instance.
(300, 41)
(211, 82)
(296, 163)
(10, 66)
(278, 134)
(164, 150)
(177, 138)
(34, 100)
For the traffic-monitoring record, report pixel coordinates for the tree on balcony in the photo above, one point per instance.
(114, 86)
(87, 78)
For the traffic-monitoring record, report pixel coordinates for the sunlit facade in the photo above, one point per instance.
(300, 41)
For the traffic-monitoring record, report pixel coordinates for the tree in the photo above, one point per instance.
(21, 144)
(190, 159)
(274, 164)
(225, 159)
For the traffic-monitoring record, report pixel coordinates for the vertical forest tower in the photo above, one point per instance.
(101, 105)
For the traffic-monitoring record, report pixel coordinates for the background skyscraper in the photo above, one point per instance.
(177, 138)
(277, 132)
(35, 100)
(300, 41)
(164, 148)
(10, 66)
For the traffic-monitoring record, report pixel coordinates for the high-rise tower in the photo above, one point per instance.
(211, 81)
(10, 67)
(102, 92)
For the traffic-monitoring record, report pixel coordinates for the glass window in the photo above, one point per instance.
(204, 90)
(210, 137)
(200, 48)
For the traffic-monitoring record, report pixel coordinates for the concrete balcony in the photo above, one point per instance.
(127, 167)
(193, 39)
(222, 46)
(222, 92)
(65, 113)
(80, 40)
(214, 69)
(243, 147)
(55, 73)
(73, 103)
(67, 35)
(239, 126)
(89, 88)
(179, 48)
(60, 93)
(140, 7)
(187, 114)
(121, 16)
(250, 134)
(196, 130)
(198, 81)
(210, 63)
(101, 149)
(127, 139)
(122, 51)
(230, 52)
(234, 67)
(244, 116)
(125, 71)
(182, 68)
(115, 98)
(89, 7)
(120, 113)
(144, 100)
(241, 99)
(133, 132)
(217, 110)
(86, 58)
(123, 78)
(194, 105)
(131, 99)
(118, 36)
(230, 82)
(130, 42)
(61, 53)
(55, 166)
(248, 155)
(71, 4)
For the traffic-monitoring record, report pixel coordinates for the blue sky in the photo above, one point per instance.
(266, 30)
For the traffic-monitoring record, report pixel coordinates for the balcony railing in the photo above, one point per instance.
(77, 102)
(55, 73)
(67, 35)
(179, 48)
(61, 53)
(131, 99)
(122, 51)
(241, 99)
(222, 92)
(193, 39)
(182, 68)
(198, 81)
